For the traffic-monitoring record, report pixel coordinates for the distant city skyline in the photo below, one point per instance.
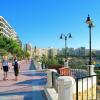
(41, 22)
(81, 52)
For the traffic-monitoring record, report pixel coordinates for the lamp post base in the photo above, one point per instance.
(91, 69)
(66, 64)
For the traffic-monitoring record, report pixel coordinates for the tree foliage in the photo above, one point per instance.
(27, 54)
(3, 52)
(9, 45)
(48, 61)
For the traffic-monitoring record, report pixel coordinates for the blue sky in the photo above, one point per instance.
(41, 22)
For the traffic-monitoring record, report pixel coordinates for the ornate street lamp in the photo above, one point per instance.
(90, 25)
(64, 36)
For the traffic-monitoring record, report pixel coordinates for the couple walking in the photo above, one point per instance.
(5, 67)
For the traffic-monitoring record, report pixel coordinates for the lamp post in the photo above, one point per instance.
(90, 25)
(64, 36)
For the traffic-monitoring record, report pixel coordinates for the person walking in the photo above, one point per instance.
(16, 68)
(5, 67)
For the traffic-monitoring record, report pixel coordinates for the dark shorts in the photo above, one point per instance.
(16, 70)
(5, 68)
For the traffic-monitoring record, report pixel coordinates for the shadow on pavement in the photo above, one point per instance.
(29, 95)
(37, 95)
(34, 82)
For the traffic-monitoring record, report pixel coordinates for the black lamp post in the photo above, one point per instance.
(90, 25)
(65, 37)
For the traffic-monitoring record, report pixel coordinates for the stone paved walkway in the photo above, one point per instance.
(30, 85)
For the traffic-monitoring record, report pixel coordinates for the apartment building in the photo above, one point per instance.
(39, 52)
(6, 29)
(52, 52)
(80, 51)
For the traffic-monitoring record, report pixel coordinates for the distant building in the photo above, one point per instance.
(62, 51)
(59, 52)
(39, 52)
(45, 52)
(97, 52)
(77, 52)
(86, 52)
(28, 48)
(52, 52)
(71, 52)
(93, 51)
(80, 51)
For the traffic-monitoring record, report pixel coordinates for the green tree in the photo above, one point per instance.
(27, 55)
(49, 61)
(2, 42)
(11, 46)
(3, 52)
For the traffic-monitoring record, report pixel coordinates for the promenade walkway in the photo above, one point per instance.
(30, 85)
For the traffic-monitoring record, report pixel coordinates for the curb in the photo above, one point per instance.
(14, 97)
(51, 94)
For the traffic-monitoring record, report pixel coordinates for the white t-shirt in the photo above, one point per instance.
(5, 63)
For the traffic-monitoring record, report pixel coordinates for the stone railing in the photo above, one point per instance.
(67, 87)
(51, 81)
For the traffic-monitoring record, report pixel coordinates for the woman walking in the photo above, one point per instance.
(5, 67)
(16, 68)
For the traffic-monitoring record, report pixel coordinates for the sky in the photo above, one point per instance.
(41, 22)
